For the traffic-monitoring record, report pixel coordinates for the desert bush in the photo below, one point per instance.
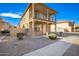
(52, 36)
(20, 36)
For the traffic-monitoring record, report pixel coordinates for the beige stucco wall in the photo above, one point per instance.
(61, 27)
(25, 20)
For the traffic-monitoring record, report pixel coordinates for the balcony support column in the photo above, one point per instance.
(47, 27)
(33, 10)
(33, 15)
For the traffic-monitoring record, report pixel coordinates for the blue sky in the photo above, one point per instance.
(12, 12)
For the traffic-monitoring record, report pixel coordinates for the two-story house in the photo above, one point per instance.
(37, 19)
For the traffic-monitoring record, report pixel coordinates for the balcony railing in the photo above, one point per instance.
(50, 19)
(41, 18)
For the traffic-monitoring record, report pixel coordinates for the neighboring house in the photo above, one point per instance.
(37, 19)
(3, 25)
(63, 26)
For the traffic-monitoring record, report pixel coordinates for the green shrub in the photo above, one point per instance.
(20, 36)
(52, 36)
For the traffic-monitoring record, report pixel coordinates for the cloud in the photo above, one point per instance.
(20, 13)
(11, 15)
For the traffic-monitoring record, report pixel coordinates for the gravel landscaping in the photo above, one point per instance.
(15, 47)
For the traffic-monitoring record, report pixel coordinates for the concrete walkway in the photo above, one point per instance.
(56, 49)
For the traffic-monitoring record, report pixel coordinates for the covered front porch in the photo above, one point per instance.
(39, 27)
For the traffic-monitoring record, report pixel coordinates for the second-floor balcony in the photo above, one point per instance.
(40, 12)
(40, 18)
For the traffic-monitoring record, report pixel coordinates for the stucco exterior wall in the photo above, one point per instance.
(61, 27)
(25, 20)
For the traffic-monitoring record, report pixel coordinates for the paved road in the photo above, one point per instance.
(65, 34)
(72, 51)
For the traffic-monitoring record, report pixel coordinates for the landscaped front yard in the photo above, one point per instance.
(20, 47)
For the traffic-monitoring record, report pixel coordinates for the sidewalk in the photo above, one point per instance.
(56, 49)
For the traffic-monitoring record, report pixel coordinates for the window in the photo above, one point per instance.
(39, 15)
(59, 28)
(23, 26)
(70, 24)
(30, 13)
(37, 27)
